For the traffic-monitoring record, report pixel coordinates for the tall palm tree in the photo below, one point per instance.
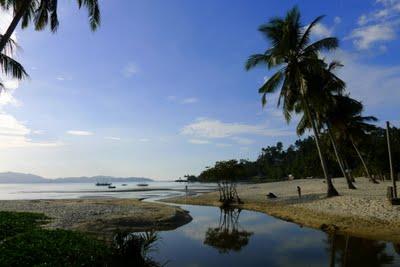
(10, 66)
(41, 13)
(292, 53)
(324, 89)
(349, 124)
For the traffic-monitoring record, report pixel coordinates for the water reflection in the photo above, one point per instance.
(244, 238)
(228, 236)
(348, 251)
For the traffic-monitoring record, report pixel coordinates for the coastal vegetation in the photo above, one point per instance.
(301, 160)
(23, 242)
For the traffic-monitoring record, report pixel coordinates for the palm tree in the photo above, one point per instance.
(10, 66)
(324, 89)
(296, 58)
(41, 13)
(350, 125)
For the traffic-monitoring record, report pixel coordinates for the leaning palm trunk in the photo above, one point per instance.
(331, 189)
(11, 28)
(363, 162)
(339, 160)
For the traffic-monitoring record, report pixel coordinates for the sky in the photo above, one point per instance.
(160, 90)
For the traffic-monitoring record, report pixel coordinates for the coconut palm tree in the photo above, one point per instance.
(10, 66)
(296, 57)
(349, 124)
(324, 89)
(41, 13)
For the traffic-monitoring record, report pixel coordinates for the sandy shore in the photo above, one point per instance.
(103, 217)
(364, 212)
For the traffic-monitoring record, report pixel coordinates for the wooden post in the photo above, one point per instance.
(390, 160)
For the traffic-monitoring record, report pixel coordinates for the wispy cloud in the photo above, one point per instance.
(14, 133)
(199, 141)
(79, 133)
(130, 69)
(190, 100)
(112, 138)
(144, 140)
(375, 85)
(377, 27)
(211, 128)
(187, 100)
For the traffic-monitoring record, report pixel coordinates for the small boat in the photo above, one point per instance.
(142, 184)
(111, 186)
(103, 184)
(124, 184)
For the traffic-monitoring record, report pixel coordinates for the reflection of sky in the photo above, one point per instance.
(273, 243)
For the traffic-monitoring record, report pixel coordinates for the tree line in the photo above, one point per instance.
(301, 160)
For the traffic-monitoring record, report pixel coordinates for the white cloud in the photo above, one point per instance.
(198, 141)
(374, 85)
(112, 138)
(320, 30)
(379, 26)
(14, 133)
(210, 128)
(364, 37)
(130, 70)
(79, 133)
(144, 140)
(190, 100)
(337, 20)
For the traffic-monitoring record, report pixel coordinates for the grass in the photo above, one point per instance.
(13, 223)
(24, 243)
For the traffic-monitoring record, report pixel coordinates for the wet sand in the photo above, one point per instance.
(103, 217)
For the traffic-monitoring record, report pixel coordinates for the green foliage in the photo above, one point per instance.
(301, 159)
(24, 243)
(13, 223)
(53, 248)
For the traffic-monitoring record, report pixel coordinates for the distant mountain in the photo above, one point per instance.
(16, 177)
(21, 178)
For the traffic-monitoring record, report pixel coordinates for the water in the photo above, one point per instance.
(228, 238)
(90, 190)
(246, 238)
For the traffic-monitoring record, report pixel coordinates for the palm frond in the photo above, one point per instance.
(307, 33)
(11, 67)
(328, 43)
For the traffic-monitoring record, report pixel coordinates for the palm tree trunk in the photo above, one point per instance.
(331, 189)
(363, 162)
(11, 28)
(339, 159)
(346, 165)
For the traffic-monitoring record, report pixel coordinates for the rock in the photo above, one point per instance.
(271, 195)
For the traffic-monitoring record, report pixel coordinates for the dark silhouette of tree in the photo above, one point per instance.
(42, 13)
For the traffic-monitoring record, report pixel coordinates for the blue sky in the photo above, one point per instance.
(160, 89)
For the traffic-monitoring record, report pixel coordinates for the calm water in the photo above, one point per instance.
(89, 190)
(245, 238)
(229, 238)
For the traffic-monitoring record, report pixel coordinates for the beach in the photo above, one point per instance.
(364, 212)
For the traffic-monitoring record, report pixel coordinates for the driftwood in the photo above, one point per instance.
(271, 195)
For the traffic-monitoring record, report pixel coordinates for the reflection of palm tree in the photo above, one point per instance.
(354, 251)
(227, 236)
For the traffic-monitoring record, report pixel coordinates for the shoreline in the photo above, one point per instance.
(102, 217)
(364, 212)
